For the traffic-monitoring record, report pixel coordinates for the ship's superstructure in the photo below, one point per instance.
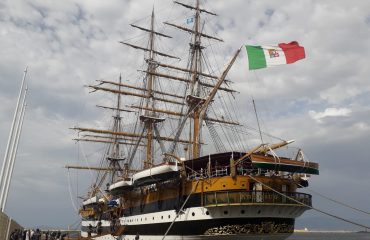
(158, 180)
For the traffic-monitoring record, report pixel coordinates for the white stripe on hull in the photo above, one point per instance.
(104, 223)
(202, 213)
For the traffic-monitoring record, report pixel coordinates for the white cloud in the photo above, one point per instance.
(329, 112)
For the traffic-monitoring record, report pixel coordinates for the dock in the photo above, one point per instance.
(7, 225)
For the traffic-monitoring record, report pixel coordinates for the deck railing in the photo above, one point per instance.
(255, 197)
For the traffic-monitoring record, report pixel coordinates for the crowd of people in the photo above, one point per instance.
(30, 234)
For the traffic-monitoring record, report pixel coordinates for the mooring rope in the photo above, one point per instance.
(70, 192)
(316, 209)
(333, 200)
(182, 207)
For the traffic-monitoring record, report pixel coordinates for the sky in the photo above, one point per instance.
(323, 101)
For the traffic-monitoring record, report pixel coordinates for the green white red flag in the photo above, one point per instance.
(266, 56)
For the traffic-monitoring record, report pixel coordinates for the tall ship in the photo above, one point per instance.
(178, 162)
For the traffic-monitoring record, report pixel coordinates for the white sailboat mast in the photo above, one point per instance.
(6, 170)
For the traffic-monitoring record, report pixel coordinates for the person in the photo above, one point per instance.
(59, 234)
(20, 234)
(100, 229)
(13, 235)
(137, 237)
(28, 232)
(31, 234)
(47, 235)
(52, 235)
(63, 236)
(37, 235)
(24, 232)
(89, 231)
(113, 223)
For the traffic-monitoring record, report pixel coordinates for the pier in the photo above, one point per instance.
(7, 225)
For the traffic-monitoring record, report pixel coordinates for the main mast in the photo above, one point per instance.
(195, 100)
(148, 118)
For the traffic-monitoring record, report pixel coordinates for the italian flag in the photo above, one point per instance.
(266, 56)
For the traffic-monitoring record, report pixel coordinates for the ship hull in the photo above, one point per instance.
(229, 222)
(197, 237)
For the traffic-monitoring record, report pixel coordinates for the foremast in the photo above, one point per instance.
(115, 156)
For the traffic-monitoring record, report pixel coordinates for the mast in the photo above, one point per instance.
(149, 123)
(150, 95)
(115, 156)
(12, 145)
(194, 99)
(195, 89)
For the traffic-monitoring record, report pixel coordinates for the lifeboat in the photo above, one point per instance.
(159, 173)
(269, 162)
(90, 201)
(120, 186)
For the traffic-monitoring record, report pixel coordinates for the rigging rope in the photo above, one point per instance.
(308, 206)
(220, 147)
(179, 212)
(85, 158)
(70, 191)
(333, 200)
(75, 224)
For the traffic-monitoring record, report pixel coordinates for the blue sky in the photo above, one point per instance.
(322, 101)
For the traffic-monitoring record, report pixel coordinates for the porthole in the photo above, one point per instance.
(193, 214)
(259, 211)
(207, 213)
(243, 185)
(226, 212)
(206, 188)
(153, 218)
(224, 185)
(242, 211)
(161, 217)
(169, 216)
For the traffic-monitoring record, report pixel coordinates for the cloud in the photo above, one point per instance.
(329, 112)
